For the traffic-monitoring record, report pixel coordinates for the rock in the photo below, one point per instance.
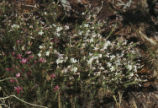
(153, 7)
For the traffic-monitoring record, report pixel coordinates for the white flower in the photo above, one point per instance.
(86, 25)
(135, 68)
(74, 69)
(118, 62)
(97, 61)
(102, 68)
(45, 13)
(59, 60)
(91, 40)
(112, 57)
(88, 31)
(50, 46)
(66, 27)
(109, 64)
(56, 52)
(83, 45)
(96, 49)
(73, 60)
(59, 29)
(83, 13)
(40, 47)
(50, 26)
(80, 32)
(65, 70)
(15, 26)
(100, 55)
(131, 74)
(39, 54)
(23, 48)
(95, 57)
(90, 54)
(90, 61)
(58, 34)
(65, 59)
(97, 73)
(31, 26)
(129, 67)
(112, 68)
(84, 57)
(66, 5)
(54, 25)
(106, 44)
(47, 53)
(40, 32)
(125, 42)
(94, 34)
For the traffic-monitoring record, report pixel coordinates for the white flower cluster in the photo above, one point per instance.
(115, 61)
(59, 30)
(112, 60)
(84, 51)
(40, 33)
(61, 59)
(15, 26)
(71, 70)
(45, 48)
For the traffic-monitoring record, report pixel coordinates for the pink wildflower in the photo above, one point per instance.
(31, 57)
(28, 52)
(13, 53)
(18, 41)
(8, 69)
(18, 89)
(53, 76)
(35, 61)
(42, 60)
(23, 60)
(56, 88)
(19, 56)
(12, 80)
(18, 75)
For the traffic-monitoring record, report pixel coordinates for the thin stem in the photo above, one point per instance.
(8, 79)
(113, 29)
(35, 105)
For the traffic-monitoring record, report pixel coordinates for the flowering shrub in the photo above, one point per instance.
(44, 59)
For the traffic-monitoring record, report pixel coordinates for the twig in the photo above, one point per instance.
(59, 100)
(8, 79)
(31, 6)
(113, 29)
(143, 36)
(34, 105)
